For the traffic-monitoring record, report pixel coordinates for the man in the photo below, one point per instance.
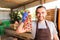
(41, 29)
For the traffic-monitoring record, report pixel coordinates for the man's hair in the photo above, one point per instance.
(39, 7)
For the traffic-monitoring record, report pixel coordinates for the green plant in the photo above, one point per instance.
(16, 15)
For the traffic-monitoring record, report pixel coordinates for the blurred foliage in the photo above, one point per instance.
(16, 15)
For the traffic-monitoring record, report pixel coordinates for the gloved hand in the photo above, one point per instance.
(24, 17)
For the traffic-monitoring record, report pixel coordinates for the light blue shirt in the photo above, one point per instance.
(42, 25)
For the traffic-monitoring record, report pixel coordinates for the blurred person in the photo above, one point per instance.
(42, 29)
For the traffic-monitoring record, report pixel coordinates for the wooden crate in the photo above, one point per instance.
(50, 14)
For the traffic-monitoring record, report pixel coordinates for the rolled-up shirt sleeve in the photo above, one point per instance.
(54, 29)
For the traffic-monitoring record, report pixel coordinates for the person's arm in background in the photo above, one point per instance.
(55, 33)
(20, 29)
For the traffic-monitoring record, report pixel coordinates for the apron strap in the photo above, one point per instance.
(46, 25)
(36, 28)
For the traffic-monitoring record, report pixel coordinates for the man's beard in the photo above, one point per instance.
(41, 19)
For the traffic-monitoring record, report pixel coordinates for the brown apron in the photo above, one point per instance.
(42, 34)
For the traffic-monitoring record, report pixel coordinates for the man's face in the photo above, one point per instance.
(41, 13)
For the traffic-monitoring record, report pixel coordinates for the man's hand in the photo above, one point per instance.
(55, 37)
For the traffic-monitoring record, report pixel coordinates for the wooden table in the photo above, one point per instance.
(25, 36)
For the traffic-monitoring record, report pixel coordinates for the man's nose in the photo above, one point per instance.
(40, 14)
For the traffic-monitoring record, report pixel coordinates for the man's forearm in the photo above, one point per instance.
(20, 29)
(55, 37)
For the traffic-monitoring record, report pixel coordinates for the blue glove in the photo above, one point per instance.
(25, 14)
